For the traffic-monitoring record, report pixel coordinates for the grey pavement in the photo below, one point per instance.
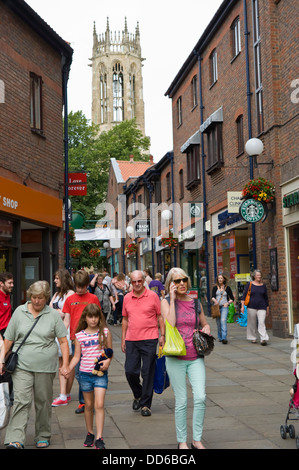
(247, 402)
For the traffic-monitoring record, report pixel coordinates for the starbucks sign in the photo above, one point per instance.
(252, 211)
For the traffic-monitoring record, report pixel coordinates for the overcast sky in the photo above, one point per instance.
(169, 29)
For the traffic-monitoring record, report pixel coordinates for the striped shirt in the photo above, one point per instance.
(89, 349)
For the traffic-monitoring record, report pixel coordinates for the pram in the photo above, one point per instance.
(293, 411)
(292, 415)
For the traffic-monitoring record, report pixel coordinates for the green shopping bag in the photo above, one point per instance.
(231, 313)
(174, 343)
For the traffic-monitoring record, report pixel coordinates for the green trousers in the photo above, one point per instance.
(178, 371)
(29, 387)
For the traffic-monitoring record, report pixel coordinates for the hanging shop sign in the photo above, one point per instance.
(77, 184)
(253, 211)
(143, 228)
(234, 200)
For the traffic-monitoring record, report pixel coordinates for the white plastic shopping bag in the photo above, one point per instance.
(4, 404)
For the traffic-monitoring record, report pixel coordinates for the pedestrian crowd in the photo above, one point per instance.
(70, 330)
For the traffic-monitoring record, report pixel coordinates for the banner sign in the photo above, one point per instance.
(77, 184)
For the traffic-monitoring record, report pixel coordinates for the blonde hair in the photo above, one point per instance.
(39, 288)
(170, 275)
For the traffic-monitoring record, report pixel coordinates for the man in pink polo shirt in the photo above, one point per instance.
(140, 333)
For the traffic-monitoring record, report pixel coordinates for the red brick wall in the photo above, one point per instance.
(22, 151)
(279, 59)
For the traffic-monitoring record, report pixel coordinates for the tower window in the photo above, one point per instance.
(132, 95)
(118, 93)
(103, 97)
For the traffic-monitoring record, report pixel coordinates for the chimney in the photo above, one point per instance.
(151, 159)
(131, 158)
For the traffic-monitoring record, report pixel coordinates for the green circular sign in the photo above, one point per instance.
(252, 211)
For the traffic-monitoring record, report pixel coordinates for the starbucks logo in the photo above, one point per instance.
(252, 211)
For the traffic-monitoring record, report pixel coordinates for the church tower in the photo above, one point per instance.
(117, 85)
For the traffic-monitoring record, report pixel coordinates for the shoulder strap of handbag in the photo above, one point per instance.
(28, 333)
(197, 309)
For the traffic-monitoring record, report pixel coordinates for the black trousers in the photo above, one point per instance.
(141, 359)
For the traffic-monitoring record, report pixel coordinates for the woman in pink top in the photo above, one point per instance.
(179, 311)
(91, 338)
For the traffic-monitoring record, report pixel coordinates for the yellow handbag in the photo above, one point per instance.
(174, 343)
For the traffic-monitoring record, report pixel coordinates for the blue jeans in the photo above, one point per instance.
(177, 370)
(222, 323)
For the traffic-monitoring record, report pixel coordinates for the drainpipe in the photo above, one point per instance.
(205, 217)
(134, 199)
(65, 75)
(246, 33)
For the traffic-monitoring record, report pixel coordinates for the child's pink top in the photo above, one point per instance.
(89, 349)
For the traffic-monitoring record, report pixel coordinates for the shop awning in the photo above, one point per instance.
(93, 234)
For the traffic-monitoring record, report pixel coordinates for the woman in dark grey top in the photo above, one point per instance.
(257, 309)
(222, 295)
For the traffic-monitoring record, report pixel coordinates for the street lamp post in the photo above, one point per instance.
(254, 147)
(167, 215)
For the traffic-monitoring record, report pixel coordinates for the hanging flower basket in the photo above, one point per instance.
(75, 253)
(95, 252)
(131, 248)
(259, 189)
(169, 242)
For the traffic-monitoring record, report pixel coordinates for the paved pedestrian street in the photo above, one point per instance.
(247, 402)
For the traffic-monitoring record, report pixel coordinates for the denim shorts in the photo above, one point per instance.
(89, 381)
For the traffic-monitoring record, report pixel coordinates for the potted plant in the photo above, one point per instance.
(75, 253)
(94, 252)
(169, 242)
(259, 189)
(131, 248)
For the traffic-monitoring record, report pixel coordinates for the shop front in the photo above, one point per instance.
(192, 261)
(232, 246)
(30, 223)
(290, 201)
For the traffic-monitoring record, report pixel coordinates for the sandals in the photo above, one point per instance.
(17, 445)
(14, 445)
(42, 444)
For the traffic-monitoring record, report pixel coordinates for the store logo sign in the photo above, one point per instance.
(252, 211)
(291, 200)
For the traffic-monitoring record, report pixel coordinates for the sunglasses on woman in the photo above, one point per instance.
(178, 281)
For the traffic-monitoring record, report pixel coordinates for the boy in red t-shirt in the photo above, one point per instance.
(73, 308)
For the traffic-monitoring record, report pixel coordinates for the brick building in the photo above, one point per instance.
(34, 68)
(239, 82)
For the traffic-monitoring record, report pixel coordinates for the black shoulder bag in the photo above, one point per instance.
(203, 343)
(12, 359)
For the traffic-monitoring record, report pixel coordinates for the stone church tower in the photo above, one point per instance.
(117, 85)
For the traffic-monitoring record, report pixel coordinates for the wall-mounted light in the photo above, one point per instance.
(254, 147)
(166, 214)
(130, 231)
